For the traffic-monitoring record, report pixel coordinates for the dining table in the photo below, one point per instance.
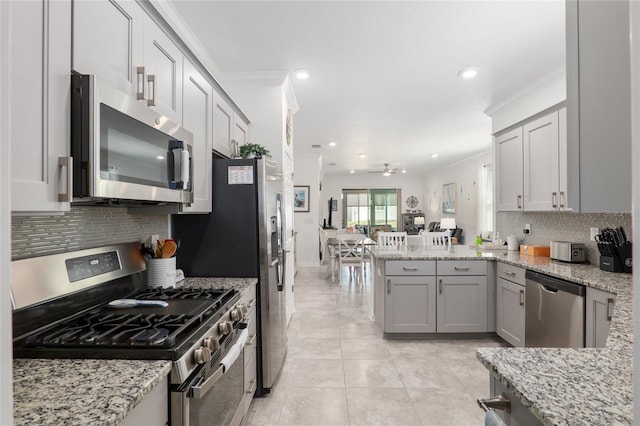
(333, 247)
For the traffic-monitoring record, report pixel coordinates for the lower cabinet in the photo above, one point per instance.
(250, 366)
(598, 314)
(510, 312)
(153, 410)
(417, 300)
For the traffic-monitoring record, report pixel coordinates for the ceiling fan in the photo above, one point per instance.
(387, 171)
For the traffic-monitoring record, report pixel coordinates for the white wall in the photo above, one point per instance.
(307, 172)
(466, 175)
(332, 186)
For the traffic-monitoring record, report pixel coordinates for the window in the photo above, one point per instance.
(355, 207)
(384, 203)
(365, 207)
(485, 204)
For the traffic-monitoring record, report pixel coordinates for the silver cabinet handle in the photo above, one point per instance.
(252, 339)
(519, 201)
(388, 286)
(554, 200)
(521, 297)
(68, 163)
(562, 200)
(140, 81)
(511, 274)
(440, 285)
(461, 268)
(252, 303)
(609, 309)
(151, 80)
(407, 268)
(252, 387)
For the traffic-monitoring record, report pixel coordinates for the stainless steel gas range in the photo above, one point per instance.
(62, 309)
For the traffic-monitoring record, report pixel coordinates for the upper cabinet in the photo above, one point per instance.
(120, 44)
(599, 105)
(228, 126)
(532, 165)
(36, 55)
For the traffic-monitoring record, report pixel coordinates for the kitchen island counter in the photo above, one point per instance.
(560, 386)
(240, 284)
(81, 391)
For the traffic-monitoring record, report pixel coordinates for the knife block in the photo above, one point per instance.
(622, 262)
(610, 264)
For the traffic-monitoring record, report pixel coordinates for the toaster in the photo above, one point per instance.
(568, 252)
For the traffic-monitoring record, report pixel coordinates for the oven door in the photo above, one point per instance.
(212, 398)
(124, 150)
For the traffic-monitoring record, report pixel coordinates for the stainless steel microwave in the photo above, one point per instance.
(123, 151)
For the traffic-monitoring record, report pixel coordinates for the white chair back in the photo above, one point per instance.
(392, 240)
(437, 239)
(351, 247)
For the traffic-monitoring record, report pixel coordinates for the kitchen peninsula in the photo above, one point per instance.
(555, 385)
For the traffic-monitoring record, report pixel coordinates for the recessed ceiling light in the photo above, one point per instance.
(352, 171)
(302, 74)
(403, 171)
(468, 72)
(332, 144)
(434, 155)
(160, 157)
(362, 155)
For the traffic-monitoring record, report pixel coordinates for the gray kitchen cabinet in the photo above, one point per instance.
(197, 105)
(531, 170)
(598, 314)
(150, 410)
(228, 126)
(462, 296)
(519, 415)
(510, 304)
(598, 105)
(250, 366)
(35, 55)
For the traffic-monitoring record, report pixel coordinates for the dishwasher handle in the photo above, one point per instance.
(553, 284)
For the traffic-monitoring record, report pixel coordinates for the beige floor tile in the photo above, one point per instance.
(265, 410)
(354, 330)
(423, 373)
(420, 349)
(371, 374)
(314, 406)
(318, 333)
(438, 407)
(316, 373)
(364, 349)
(313, 348)
(371, 407)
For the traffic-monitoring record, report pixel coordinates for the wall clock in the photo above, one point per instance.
(412, 202)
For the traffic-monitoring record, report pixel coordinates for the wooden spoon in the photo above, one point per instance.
(169, 249)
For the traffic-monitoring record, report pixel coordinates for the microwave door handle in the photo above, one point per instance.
(185, 168)
(171, 161)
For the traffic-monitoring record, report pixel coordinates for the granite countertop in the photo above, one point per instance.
(560, 386)
(81, 391)
(240, 284)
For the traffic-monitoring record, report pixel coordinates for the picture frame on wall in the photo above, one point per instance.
(449, 198)
(301, 198)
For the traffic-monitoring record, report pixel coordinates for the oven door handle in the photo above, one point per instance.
(226, 363)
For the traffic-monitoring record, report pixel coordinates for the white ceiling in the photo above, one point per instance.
(384, 76)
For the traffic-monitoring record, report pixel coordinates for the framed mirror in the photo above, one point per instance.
(449, 198)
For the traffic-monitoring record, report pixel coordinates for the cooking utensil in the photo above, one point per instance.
(132, 303)
(169, 248)
(147, 252)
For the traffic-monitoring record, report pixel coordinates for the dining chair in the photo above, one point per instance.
(397, 240)
(437, 239)
(351, 253)
(326, 261)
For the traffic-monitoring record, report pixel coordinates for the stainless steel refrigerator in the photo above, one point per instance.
(243, 237)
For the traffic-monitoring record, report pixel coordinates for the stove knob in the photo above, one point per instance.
(236, 314)
(202, 355)
(225, 327)
(211, 344)
(244, 309)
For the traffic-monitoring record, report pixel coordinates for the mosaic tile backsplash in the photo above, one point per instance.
(81, 228)
(551, 226)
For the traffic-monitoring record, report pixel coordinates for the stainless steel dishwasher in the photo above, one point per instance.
(554, 312)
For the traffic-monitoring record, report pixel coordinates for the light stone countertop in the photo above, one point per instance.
(560, 386)
(92, 391)
(81, 391)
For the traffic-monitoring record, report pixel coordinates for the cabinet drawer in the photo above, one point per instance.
(250, 375)
(250, 346)
(462, 267)
(511, 273)
(410, 267)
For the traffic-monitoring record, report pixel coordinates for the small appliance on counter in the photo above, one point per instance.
(533, 250)
(568, 252)
(615, 250)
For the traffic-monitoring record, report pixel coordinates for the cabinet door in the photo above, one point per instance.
(541, 147)
(107, 42)
(240, 131)
(222, 125)
(36, 54)
(563, 162)
(599, 311)
(196, 110)
(410, 304)
(462, 304)
(163, 65)
(509, 171)
(510, 312)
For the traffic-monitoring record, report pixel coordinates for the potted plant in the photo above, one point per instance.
(253, 150)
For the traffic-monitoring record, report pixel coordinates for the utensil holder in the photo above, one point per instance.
(161, 272)
(624, 252)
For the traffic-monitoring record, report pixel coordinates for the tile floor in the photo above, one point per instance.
(339, 370)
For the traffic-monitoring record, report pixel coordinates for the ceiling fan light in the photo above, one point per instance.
(404, 171)
(332, 144)
(386, 174)
(352, 171)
